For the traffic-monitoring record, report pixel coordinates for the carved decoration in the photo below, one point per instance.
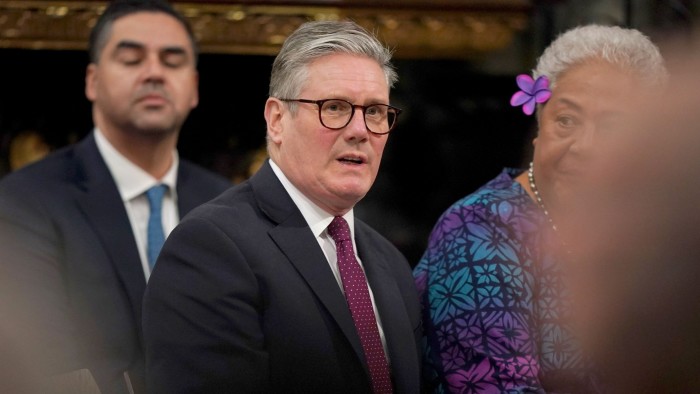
(415, 29)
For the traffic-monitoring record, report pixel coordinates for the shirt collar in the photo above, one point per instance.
(131, 180)
(317, 218)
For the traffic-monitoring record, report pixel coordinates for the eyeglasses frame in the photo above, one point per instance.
(319, 104)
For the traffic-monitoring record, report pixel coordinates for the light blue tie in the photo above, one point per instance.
(156, 236)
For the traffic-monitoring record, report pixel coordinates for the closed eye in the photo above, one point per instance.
(173, 57)
(129, 56)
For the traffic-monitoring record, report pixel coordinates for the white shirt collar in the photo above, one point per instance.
(317, 218)
(131, 180)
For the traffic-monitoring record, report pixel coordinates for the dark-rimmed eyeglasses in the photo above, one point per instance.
(335, 114)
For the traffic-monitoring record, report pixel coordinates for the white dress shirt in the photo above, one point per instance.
(132, 183)
(318, 221)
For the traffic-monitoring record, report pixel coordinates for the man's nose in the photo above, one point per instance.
(356, 129)
(154, 68)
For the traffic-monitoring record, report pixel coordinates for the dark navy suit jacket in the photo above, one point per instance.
(242, 300)
(71, 279)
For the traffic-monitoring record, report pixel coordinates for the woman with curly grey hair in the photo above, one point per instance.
(490, 281)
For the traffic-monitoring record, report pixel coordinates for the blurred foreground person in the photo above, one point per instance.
(490, 281)
(275, 286)
(636, 286)
(80, 229)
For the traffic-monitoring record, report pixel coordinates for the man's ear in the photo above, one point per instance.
(274, 112)
(195, 97)
(91, 82)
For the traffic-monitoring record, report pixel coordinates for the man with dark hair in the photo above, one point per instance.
(80, 230)
(101, 31)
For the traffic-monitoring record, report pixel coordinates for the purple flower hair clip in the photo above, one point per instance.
(531, 93)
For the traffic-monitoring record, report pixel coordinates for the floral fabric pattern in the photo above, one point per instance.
(491, 298)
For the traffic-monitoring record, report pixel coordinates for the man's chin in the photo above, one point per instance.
(348, 196)
(353, 186)
(156, 127)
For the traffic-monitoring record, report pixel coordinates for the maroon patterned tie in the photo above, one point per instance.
(357, 295)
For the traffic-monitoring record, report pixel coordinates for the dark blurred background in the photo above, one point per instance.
(457, 130)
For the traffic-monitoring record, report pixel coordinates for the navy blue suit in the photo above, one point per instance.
(243, 300)
(71, 279)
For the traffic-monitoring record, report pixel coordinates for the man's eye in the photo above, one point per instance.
(174, 59)
(377, 111)
(332, 107)
(130, 59)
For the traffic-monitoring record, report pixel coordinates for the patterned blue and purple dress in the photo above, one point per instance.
(491, 297)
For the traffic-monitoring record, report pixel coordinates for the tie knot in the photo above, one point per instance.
(155, 195)
(339, 229)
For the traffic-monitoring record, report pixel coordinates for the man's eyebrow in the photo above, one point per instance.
(174, 50)
(128, 44)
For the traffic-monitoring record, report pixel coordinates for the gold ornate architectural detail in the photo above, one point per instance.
(414, 30)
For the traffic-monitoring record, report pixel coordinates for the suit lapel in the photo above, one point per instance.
(397, 327)
(294, 238)
(188, 197)
(302, 250)
(103, 207)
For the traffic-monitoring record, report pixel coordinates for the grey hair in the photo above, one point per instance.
(628, 49)
(313, 40)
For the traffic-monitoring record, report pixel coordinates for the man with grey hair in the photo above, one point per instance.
(275, 286)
